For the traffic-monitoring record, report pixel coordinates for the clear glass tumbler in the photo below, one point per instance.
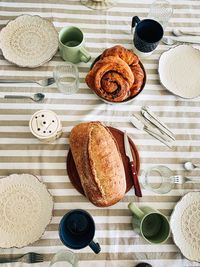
(64, 258)
(157, 179)
(161, 11)
(67, 78)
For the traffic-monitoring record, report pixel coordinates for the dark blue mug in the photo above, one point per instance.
(77, 229)
(148, 34)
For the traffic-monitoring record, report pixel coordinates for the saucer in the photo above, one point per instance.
(29, 41)
(179, 71)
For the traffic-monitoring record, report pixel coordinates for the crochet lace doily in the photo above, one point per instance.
(29, 41)
(185, 225)
(25, 210)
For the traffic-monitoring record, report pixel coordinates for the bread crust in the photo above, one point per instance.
(99, 163)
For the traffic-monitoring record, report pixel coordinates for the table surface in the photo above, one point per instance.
(22, 153)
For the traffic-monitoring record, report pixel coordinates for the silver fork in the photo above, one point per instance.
(30, 257)
(42, 82)
(179, 179)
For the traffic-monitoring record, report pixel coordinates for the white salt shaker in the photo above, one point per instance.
(45, 125)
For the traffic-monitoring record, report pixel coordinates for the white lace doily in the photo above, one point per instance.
(185, 225)
(25, 210)
(29, 41)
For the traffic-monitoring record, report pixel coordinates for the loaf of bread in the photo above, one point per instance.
(99, 163)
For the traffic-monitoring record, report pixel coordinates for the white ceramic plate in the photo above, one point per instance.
(179, 71)
(29, 41)
(25, 210)
(185, 225)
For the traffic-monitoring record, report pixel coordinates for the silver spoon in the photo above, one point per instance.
(174, 40)
(36, 97)
(189, 166)
(177, 32)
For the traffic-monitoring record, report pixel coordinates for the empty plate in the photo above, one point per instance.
(26, 209)
(185, 222)
(179, 71)
(29, 41)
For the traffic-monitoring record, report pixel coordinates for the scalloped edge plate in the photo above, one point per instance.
(177, 231)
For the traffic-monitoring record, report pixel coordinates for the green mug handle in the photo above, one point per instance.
(135, 210)
(85, 56)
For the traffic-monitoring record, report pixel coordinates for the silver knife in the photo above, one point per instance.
(128, 152)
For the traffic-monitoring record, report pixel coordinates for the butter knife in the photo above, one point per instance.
(128, 152)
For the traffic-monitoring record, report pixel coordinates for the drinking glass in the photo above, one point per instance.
(64, 258)
(67, 78)
(157, 179)
(161, 11)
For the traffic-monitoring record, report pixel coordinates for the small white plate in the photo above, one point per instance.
(185, 225)
(29, 41)
(179, 71)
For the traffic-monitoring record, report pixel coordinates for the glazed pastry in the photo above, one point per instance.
(128, 56)
(98, 162)
(111, 78)
(139, 77)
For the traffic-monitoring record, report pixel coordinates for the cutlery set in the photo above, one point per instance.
(182, 36)
(150, 123)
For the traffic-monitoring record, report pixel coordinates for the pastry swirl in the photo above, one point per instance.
(128, 56)
(111, 78)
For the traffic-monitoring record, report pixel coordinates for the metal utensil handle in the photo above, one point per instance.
(157, 124)
(153, 115)
(16, 96)
(15, 81)
(136, 184)
(190, 33)
(7, 260)
(185, 40)
(159, 138)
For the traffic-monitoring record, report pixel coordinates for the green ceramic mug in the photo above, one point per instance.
(150, 223)
(72, 45)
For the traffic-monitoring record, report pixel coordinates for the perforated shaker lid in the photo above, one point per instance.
(44, 124)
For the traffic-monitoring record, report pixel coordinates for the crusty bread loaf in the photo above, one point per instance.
(99, 163)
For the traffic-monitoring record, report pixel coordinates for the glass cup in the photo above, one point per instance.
(64, 258)
(67, 78)
(161, 11)
(157, 179)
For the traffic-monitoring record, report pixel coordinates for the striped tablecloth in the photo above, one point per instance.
(22, 153)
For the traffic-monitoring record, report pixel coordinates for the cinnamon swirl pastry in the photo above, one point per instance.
(111, 78)
(128, 56)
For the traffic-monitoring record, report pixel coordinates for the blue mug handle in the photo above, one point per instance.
(95, 247)
(135, 20)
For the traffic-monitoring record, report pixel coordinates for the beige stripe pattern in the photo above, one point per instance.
(20, 152)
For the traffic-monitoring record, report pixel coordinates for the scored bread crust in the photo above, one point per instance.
(99, 163)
